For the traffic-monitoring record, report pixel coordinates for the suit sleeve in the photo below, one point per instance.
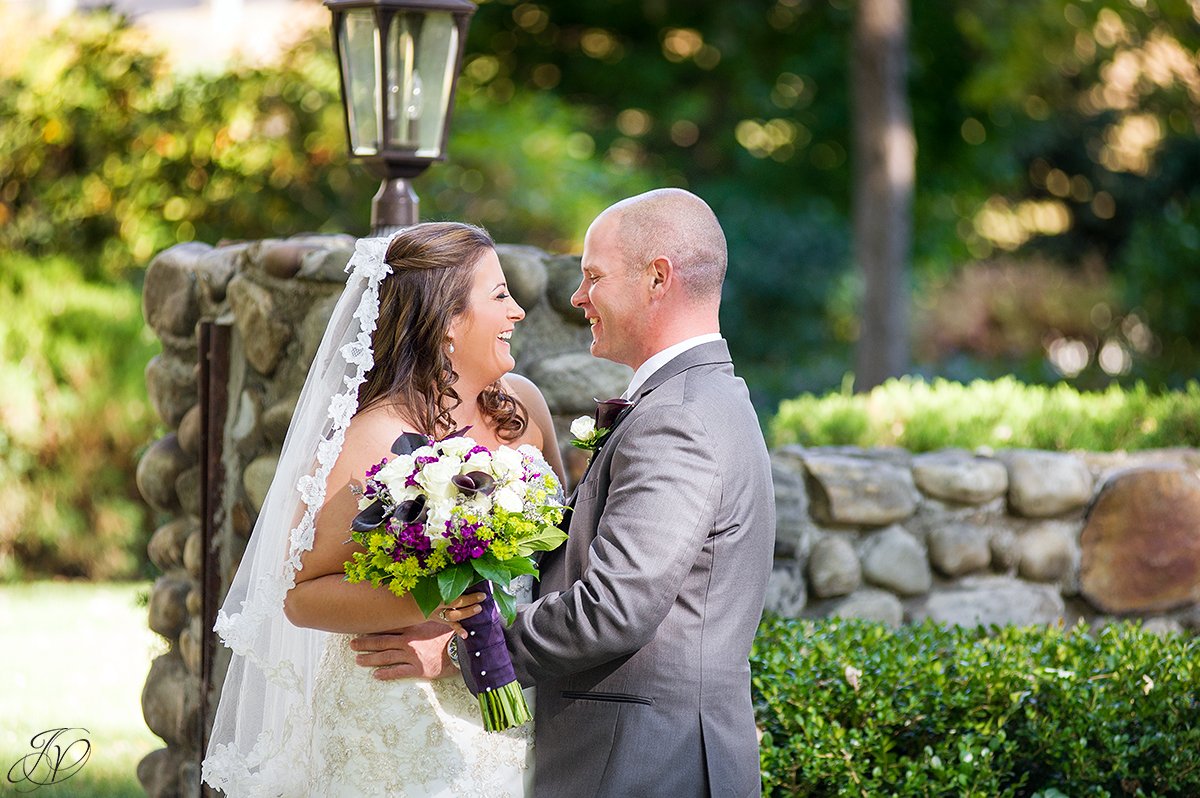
(664, 488)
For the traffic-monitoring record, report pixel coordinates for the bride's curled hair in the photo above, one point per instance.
(430, 285)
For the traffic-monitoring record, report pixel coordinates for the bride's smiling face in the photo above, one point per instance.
(481, 334)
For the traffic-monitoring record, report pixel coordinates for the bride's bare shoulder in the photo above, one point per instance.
(370, 435)
(527, 393)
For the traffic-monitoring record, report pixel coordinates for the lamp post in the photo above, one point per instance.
(399, 61)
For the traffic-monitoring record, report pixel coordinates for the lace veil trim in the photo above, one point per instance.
(260, 736)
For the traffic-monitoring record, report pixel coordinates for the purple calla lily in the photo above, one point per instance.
(370, 518)
(458, 433)
(412, 511)
(409, 442)
(474, 482)
(609, 411)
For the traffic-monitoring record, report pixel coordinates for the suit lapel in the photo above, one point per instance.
(711, 353)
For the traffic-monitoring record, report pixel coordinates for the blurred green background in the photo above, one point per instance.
(1056, 214)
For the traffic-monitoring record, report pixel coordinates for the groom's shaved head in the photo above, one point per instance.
(677, 225)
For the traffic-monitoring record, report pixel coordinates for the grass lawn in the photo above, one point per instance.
(74, 654)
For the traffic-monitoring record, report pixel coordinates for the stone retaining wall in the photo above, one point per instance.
(1020, 537)
(877, 534)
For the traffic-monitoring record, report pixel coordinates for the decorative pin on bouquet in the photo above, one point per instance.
(445, 515)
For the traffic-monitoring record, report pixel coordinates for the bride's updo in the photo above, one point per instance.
(433, 270)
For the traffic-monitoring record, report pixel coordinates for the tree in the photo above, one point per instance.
(884, 152)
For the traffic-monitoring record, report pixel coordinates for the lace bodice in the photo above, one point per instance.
(409, 738)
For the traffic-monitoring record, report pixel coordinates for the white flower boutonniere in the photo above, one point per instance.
(585, 435)
(589, 433)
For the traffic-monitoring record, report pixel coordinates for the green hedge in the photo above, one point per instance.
(922, 416)
(852, 708)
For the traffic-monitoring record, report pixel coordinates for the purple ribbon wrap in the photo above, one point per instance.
(487, 654)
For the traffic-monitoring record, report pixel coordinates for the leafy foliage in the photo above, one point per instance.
(850, 708)
(106, 158)
(1150, 262)
(1046, 127)
(922, 416)
(73, 419)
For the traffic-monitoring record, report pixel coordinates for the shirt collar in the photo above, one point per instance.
(657, 361)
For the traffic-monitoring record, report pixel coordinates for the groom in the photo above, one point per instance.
(639, 640)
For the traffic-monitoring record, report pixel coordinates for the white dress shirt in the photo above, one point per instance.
(657, 361)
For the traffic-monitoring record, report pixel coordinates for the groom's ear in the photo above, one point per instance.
(662, 276)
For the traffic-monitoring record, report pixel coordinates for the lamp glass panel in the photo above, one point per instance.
(359, 46)
(422, 52)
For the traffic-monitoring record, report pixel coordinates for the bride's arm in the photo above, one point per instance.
(541, 425)
(322, 598)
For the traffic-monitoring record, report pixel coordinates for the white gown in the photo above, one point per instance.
(410, 738)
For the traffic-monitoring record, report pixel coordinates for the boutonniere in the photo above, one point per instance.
(590, 432)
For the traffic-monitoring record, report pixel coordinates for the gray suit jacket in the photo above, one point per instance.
(639, 641)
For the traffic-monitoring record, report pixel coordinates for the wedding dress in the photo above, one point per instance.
(297, 717)
(410, 738)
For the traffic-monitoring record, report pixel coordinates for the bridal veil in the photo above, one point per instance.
(260, 736)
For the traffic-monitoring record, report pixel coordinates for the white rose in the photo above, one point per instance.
(435, 477)
(506, 461)
(508, 499)
(396, 471)
(480, 461)
(439, 514)
(517, 486)
(457, 447)
(583, 427)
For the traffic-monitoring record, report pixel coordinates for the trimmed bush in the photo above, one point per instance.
(922, 416)
(852, 708)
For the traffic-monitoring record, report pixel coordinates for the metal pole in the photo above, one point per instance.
(214, 403)
(394, 206)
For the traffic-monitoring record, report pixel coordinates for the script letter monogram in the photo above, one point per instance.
(58, 754)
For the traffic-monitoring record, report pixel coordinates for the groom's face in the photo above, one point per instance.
(610, 296)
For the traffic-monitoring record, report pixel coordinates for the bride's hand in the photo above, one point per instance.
(459, 610)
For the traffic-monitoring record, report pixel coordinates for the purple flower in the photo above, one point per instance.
(609, 412)
(470, 548)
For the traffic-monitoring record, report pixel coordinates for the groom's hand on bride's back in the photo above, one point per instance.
(417, 652)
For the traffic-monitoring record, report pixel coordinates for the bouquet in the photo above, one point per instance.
(444, 515)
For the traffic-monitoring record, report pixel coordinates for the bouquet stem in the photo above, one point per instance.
(501, 702)
(504, 708)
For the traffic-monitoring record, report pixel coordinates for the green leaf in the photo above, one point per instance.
(492, 569)
(454, 580)
(521, 565)
(547, 539)
(506, 603)
(425, 593)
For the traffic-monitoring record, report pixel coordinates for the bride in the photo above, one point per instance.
(419, 342)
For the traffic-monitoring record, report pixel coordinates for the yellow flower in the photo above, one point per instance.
(504, 551)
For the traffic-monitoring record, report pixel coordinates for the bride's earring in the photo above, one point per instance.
(452, 347)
